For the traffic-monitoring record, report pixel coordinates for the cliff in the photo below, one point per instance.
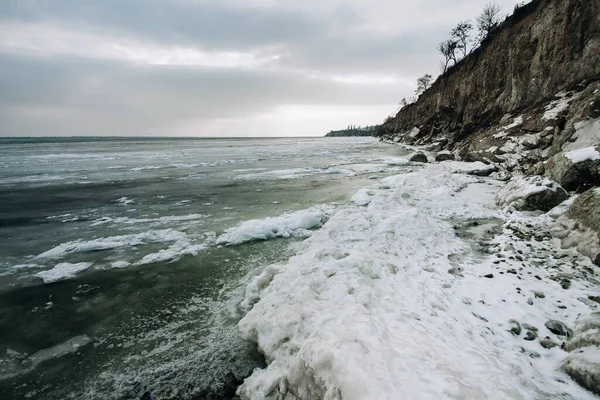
(521, 80)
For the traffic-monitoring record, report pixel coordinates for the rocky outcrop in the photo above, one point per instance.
(521, 97)
(577, 169)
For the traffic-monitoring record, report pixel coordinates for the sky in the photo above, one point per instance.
(215, 68)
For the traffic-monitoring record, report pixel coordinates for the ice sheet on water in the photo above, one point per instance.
(367, 308)
(296, 224)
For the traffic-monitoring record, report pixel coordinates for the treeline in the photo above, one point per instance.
(353, 130)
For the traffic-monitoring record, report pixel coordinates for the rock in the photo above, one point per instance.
(547, 343)
(515, 327)
(585, 232)
(418, 157)
(575, 170)
(584, 367)
(530, 327)
(530, 301)
(444, 156)
(531, 193)
(585, 333)
(558, 328)
(530, 336)
(538, 294)
(489, 276)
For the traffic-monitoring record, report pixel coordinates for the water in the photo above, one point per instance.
(112, 284)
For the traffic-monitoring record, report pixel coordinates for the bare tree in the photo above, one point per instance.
(423, 83)
(403, 103)
(488, 20)
(461, 35)
(448, 49)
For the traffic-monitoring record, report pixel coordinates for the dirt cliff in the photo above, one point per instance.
(515, 100)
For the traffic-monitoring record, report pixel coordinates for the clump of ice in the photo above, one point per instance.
(297, 224)
(62, 271)
(585, 154)
(112, 242)
(363, 197)
(174, 253)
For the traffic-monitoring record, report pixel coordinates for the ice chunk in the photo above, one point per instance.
(296, 224)
(112, 242)
(62, 271)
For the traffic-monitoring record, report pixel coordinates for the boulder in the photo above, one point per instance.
(559, 328)
(583, 366)
(579, 226)
(418, 157)
(444, 156)
(575, 170)
(531, 193)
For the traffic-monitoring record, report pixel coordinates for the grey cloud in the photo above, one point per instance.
(62, 95)
(211, 25)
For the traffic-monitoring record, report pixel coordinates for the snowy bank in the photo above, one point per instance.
(399, 298)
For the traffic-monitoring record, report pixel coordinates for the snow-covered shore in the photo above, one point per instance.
(423, 289)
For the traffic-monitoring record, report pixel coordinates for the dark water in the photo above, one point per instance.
(111, 283)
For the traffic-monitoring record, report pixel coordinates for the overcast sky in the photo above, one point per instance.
(214, 68)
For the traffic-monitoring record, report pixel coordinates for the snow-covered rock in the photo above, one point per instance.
(575, 169)
(583, 366)
(531, 193)
(586, 332)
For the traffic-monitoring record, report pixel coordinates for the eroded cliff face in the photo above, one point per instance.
(519, 97)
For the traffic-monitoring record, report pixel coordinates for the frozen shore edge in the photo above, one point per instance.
(328, 321)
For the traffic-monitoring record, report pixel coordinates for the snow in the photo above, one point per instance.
(587, 133)
(516, 122)
(297, 224)
(562, 207)
(62, 271)
(556, 107)
(581, 155)
(375, 305)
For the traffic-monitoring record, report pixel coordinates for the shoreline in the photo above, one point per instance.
(528, 283)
